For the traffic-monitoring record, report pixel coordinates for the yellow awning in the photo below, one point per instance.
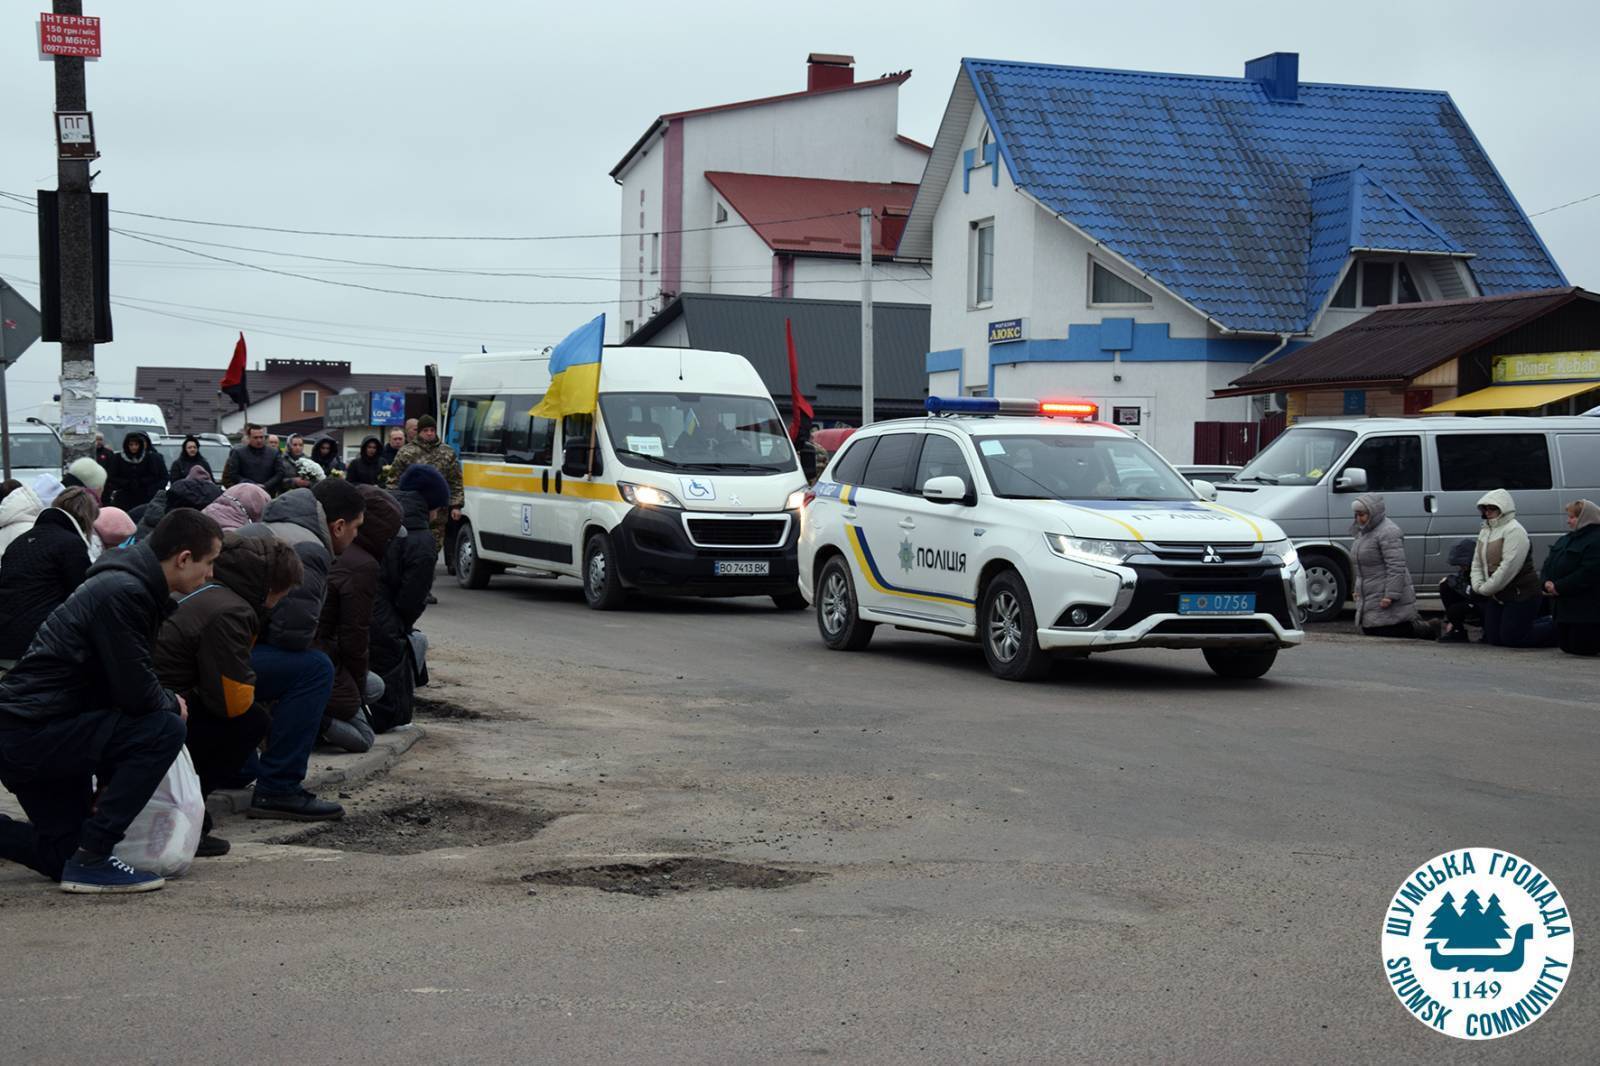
(1511, 397)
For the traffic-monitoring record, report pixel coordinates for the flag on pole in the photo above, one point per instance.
(233, 382)
(574, 372)
(798, 404)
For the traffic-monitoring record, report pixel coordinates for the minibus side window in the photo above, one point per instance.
(463, 412)
(1483, 461)
(1393, 464)
(528, 439)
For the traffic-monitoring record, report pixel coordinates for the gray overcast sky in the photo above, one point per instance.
(501, 117)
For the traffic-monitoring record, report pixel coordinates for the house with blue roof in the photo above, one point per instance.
(1143, 239)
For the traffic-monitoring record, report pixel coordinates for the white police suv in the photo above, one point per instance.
(1035, 530)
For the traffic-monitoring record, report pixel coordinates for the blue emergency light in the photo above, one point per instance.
(995, 405)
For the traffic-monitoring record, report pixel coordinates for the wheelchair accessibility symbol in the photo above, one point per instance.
(695, 488)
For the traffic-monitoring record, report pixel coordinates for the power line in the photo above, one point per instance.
(1569, 203)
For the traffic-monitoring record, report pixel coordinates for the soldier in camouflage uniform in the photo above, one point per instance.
(429, 450)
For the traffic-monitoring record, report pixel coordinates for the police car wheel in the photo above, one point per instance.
(1008, 631)
(840, 625)
(471, 572)
(1244, 664)
(602, 588)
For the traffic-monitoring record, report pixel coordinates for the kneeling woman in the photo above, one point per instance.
(1386, 602)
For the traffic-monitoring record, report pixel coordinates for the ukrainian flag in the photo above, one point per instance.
(574, 372)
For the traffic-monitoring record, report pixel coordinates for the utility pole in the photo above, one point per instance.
(78, 386)
(866, 316)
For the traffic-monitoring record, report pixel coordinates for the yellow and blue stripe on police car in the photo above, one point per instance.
(868, 567)
(834, 490)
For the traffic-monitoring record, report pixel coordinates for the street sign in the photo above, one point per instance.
(345, 410)
(75, 36)
(19, 324)
(75, 135)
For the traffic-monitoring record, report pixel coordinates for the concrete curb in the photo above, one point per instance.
(328, 771)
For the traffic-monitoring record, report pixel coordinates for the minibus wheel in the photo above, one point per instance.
(471, 571)
(602, 586)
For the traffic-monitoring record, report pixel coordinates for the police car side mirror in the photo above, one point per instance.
(1206, 489)
(948, 489)
(1354, 479)
(575, 460)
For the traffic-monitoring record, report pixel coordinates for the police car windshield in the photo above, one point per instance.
(1074, 467)
(1299, 457)
(697, 431)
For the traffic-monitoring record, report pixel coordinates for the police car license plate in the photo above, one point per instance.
(743, 568)
(1217, 603)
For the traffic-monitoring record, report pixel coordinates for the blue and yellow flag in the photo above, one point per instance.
(574, 372)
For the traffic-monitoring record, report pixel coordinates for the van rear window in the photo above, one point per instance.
(1478, 462)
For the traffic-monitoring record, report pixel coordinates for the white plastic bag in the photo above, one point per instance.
(163, 838)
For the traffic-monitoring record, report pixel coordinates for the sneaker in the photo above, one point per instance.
(211, 847)
(109, 874)
(301, 806)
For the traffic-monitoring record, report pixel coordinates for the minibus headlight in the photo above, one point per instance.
(1083, 550)
(647, 496)
(796, 500)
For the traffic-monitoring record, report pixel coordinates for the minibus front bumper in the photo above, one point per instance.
(697, 553)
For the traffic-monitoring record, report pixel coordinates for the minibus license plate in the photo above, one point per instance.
(1217, 603)
(743, 568)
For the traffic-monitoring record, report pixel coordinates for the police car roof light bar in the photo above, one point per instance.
(980, 405)
(1081, 409)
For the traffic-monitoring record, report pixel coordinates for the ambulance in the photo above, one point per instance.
(1038, 532)
(685, 483)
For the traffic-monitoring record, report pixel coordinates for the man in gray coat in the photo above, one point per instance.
(1386, 602)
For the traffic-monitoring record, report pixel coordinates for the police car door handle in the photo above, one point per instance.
(906, 523)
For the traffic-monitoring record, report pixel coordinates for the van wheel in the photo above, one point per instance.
(790, 601)
(837, 618)
(1009, 632)
(602, 587)
(1327, 588)
(1240, 664)
(471, 572)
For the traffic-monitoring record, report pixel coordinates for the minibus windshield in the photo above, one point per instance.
(697, 431)
(1300, 456)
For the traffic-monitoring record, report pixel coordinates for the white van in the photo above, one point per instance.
(1430, 472)
(35, 450)
(685, 484)
(117, 416)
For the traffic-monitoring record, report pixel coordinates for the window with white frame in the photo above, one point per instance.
(982, 259)
(308, 400)
(1110, 290)
(1375, 282)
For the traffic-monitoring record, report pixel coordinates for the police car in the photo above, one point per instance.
(1035, 530)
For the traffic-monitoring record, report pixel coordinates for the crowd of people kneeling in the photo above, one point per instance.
(1495, 586)
(243, 627)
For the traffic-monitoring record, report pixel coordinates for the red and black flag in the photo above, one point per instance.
(798, 404)
(233, 382)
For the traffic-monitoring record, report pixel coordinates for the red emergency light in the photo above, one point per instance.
(1070, 408)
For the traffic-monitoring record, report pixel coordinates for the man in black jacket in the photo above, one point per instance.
(85, 701)
(254, 462)
(404, 584)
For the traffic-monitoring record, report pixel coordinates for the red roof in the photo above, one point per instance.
(785, 212)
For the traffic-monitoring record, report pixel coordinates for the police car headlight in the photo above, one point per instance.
(1084, 550)
(796, 500)
(647, 495)
(1284, 550)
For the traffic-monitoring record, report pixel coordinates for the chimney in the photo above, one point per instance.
(1278, 74)
(825, 71)
(892, 226)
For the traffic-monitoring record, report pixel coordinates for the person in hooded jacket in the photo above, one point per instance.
(87, 473)
(239, 506)
(366, 468)
(319, 524)
(1386, 602)
(344, 627)
(325, 453)
(135, 474)
(18, 511)
(1572, 580)
(195, 492)
(203, 654)
(43, 567)
(1503, 578)
(188, 459)
(85, 705)
(404, 582)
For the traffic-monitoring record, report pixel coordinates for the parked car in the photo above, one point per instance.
(1431, 473)
(1204, 472)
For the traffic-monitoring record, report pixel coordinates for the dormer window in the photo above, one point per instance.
(1375, 282)
(985, 139)
(1108, 290)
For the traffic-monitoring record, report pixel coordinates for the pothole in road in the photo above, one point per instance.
(433, 707)
(668, 876)
(425, 824)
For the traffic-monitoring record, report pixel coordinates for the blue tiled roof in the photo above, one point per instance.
(1244, 206)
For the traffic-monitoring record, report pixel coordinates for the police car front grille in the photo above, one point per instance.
(1195, 553)
(737, 532)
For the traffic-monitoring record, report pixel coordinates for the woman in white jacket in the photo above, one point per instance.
(1503, 577)
(18, 511)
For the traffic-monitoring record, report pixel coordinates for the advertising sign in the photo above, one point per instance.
(388, 409)
(69, 35)
(1007, 330)
(1125, 416)
(345, 410)
(1550, 366)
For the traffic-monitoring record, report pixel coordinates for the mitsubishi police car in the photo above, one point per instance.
(1036, 531)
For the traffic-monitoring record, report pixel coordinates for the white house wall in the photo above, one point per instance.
(638, 302)
(819, 278)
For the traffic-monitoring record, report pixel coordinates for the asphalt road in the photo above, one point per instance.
(1131, 862)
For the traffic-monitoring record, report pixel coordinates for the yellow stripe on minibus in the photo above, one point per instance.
(522, 479)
